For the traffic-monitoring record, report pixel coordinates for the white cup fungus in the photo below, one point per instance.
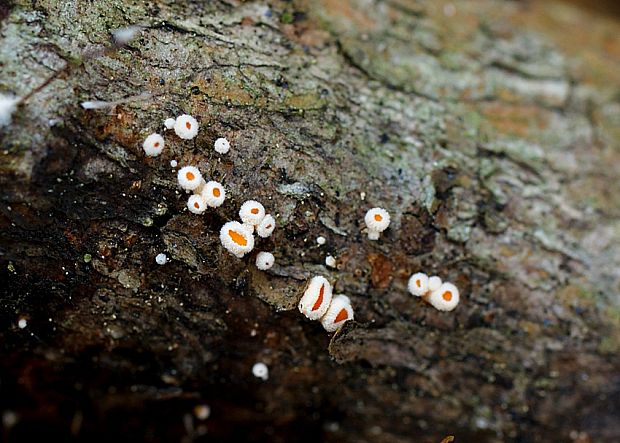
(169, 123)
(189, 178)
(316, 299)
(196, 204)
(186, 127)
(418, 284)
(434, 283)
(161, 259)
(444, 298)
(266, 226)
(260, 370)
(213, 194)
(236, 238)
(252, 212)
(338, 313)
(264, 260)
(377, 220)
(221, 145)
(153, 145)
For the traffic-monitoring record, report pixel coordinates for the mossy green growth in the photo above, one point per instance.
(304, 101)
(287, 18)
(610, 343)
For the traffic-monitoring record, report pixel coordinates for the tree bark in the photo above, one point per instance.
(488, 130)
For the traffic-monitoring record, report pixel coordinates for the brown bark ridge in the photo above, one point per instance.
(489, 131)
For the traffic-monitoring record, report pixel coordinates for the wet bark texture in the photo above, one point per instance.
(488, 129)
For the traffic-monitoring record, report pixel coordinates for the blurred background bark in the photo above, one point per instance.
(488, 129)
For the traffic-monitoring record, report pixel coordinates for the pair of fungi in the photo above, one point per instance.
(253, 216)
(185, 126)
(317, 303)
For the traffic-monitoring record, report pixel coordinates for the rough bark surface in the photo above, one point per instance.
(488, 129)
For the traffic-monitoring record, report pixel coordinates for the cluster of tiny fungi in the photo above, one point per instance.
(317, 302)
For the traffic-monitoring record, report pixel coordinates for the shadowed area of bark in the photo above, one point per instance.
(487, 129)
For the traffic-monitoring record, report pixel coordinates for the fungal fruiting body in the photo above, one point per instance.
(100, 104)
(330, 261)
(377, 220)
(265, 260)
(186, 127)
(260, 370)
(202, 412)
(317, 303)
(153, 145)
(213, 194)
(266, 226)
(122, 36)
(252, 212)
(205, 194)
(320, 240)
(236, 238)
(161, 259)
(434, 283)
(339, 311)
(8, 105)
(316, 299)
(444, 298)
(418, 284)
(196, 204)
(169, 123)
(221, 145)
(189, 177)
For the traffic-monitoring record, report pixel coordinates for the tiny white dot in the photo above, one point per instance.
(202, 412)
(173, 163)
(9, 419)
(169, 123)
(330, 261)
(161, 259)
(321, 240)
(22, 323)
(260, 370)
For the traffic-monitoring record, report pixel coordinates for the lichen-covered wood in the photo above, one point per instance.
(490, 132)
